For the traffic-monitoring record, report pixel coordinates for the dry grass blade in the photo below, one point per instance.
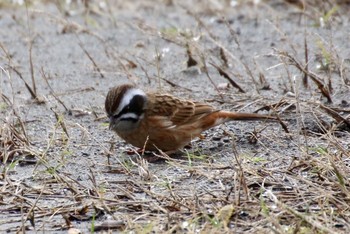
(336, 116)
(32, 66)
(191, 61)
(6, 100)
(223, 57)
(316, 79)
(298, 3)
(109, 225)
(13, 141)
(308, 219)
(283, 103)
(46, 79)
(31, 91)
(342, 180)
(306, 51)
(283, 125)
(90, 58)
(225, 75)
(242, 179)
(61, 122)
(205, 69)
(30, 214)
(172, 84)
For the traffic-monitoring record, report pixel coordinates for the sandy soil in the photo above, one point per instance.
(67, 170)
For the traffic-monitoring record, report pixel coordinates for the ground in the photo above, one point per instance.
(63, 170)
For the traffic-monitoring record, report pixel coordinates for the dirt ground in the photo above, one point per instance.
(63, 171)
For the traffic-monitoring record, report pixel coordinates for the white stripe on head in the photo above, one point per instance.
(128, 95)
(129, 115)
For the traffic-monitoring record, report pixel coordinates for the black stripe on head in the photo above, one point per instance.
(130, 119)
(135, 106)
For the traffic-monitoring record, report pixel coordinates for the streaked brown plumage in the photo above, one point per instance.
(161, 121)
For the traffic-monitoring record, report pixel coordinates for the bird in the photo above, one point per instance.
(158, 121)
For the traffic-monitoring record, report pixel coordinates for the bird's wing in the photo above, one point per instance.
(177, 111)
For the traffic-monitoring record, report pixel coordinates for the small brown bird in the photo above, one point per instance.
(161, 121)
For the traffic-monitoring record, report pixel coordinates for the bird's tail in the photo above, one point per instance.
(229, 116)
(220, 117)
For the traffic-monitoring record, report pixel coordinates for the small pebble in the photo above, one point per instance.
(226, 140)
(216, 138)
(344, 103)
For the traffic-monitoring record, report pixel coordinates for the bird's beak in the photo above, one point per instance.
(110, 123)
